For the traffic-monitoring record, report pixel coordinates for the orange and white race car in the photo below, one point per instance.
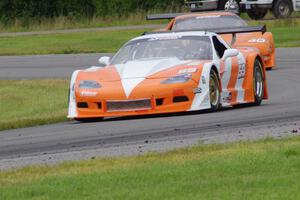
(169, 72)
(222, 20)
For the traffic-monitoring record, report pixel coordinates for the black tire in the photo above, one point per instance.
(282, 8)
(256, 14)
(87, 120)
(214, 91)
(258, 82)
(230, 5)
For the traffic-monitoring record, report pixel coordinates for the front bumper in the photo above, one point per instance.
(256, 4)
(202, 5)
(158, 101)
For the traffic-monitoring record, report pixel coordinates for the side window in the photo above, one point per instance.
(219, 46)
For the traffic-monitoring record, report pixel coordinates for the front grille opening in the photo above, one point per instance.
(131, 105)
(82, 105)
(99, 104)
(159, 102)
(179, 99)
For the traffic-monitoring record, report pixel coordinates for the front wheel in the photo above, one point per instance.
(258, 83)
(214, 91)
(230, 5)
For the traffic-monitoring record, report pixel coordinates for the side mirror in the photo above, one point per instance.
(230, 53)
(104, 61)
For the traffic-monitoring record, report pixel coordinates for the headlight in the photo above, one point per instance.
(89, 84)
(178, 79)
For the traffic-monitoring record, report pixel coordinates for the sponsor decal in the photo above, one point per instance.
(194, 63)
(257, 40)
(88, 94)
(165, 37)
(208, 16)
(187, 70)
(197, 90)
(242, 70)
(227, 97)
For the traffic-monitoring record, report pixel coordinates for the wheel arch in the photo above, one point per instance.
(213, 67)
(250, 65)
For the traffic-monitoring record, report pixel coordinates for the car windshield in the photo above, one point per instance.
(208, 22)
(181, 47)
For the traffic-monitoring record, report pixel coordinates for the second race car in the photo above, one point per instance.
(222, 20)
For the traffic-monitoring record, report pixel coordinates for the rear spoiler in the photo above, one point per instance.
(220, 31)
(164, 16)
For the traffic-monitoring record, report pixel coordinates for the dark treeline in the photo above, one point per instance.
(24, 10)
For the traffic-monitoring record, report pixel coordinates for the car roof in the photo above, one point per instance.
(174, 34)
(217, 13)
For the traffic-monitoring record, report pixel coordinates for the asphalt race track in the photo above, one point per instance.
(279, 116)
(45, 66)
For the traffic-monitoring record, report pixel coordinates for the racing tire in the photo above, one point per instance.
(258, 83)
(231, 6)
(282, 8)
(214, 91)
(256, 14)
(87, 120)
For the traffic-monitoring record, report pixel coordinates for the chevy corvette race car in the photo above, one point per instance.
(220, 19)
(169, 72)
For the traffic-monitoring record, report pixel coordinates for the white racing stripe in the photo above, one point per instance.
(225, 81)
(134, 72)
(201, 100)
(72, 113)
(241, 78)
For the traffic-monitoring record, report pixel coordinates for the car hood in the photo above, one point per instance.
(133, 73)
(147, 68)
(142, 69)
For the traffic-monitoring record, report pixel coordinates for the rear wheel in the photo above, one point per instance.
(214, 91)
(257, 14)
(258, 82)
(282, 8)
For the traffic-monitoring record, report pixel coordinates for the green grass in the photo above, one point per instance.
(268, 169)
(67, 23)
(32, 102)
(87, 42)
(286, 34)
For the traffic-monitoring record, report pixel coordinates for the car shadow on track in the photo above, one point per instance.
(165, 115)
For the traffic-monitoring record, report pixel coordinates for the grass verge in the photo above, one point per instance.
(286, 34)
(268, 169)
(32, 102)
(87, 42)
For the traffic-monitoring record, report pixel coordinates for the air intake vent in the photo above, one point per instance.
(82, 105)
(180, 99)
(159, 102)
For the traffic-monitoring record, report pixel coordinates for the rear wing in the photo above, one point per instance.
(220, 31)
(164, 16)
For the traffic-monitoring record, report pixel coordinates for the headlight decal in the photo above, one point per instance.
(178, 79)
(88, 84)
